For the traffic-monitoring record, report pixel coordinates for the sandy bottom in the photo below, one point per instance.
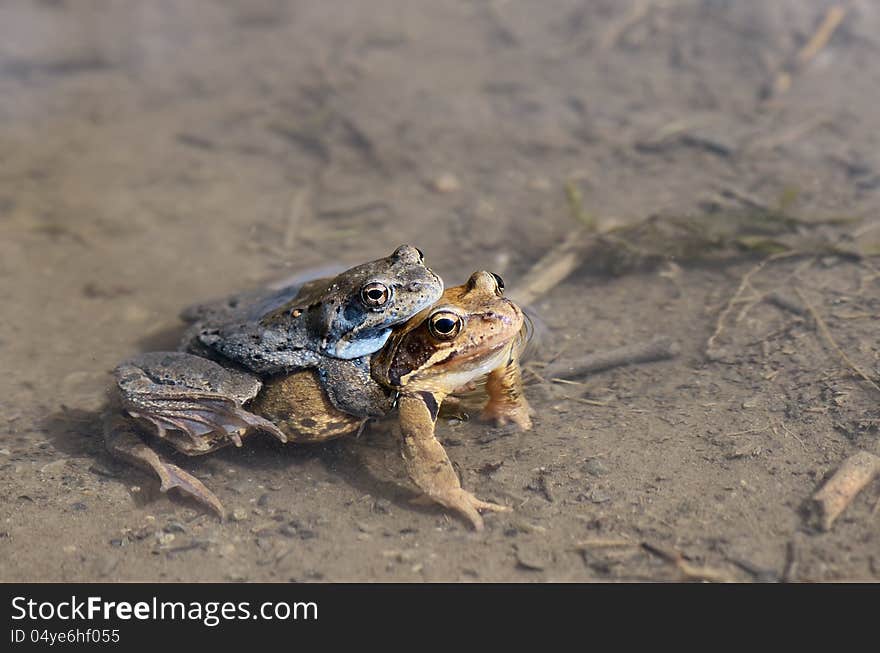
(158, 154)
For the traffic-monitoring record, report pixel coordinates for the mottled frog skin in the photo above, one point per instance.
(194, 398)
(470, 332)
(347, 316)
(473, 331)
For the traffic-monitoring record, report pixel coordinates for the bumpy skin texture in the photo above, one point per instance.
(281, 332)
(426, 363)
(198, 405)
(195, 401)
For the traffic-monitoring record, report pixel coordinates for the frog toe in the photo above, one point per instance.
(519, 416)
(172, 477)
(469, 506)
(124, 443)
(206, 426)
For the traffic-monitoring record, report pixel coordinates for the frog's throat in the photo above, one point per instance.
(348, 349)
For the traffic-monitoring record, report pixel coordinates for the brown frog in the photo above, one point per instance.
(472, 331)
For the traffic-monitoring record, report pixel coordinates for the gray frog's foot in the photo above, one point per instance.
(193, 403)
(124, 443)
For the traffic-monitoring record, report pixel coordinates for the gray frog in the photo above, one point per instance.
(195, 398)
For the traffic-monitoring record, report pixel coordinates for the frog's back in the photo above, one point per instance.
(294, 327)
(252, 305)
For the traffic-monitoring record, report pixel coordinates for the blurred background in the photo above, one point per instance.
(155, 154)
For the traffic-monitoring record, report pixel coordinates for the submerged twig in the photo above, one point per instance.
(551, 269)
(712, 352)
(833, 17)
(826, 333)
(576, 206)
(659, 348)
(690, 571)
(852, 476)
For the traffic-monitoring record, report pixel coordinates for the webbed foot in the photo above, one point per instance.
(124, 443)
(463, 502)
(194, 403)
(427, 464)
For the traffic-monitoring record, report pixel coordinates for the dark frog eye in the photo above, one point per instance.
(375, 295)
(444, 325)
(500, 282)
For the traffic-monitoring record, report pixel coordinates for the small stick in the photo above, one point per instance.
(852, 476)
(823, 329)
(551, 269)
(659, 348)
(604, 543)
(690, 571)
(744, 283)
(833, 17)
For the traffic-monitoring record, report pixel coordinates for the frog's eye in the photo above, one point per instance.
(500, 283)
(375, 295)
(444, 325)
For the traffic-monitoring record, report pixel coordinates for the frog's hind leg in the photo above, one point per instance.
(426, 461)
(202, 425)
(123, 442)
(191, 402)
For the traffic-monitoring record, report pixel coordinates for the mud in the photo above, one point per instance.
(157, 154)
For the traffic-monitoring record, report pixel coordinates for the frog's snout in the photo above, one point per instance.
(408, 254)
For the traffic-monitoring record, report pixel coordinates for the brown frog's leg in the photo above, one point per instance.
(507, 403)
(123, 442)
(426, 461)
(193, 403)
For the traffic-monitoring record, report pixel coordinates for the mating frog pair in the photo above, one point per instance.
(314, 363)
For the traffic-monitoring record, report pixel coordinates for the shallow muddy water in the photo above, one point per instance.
(157, 154)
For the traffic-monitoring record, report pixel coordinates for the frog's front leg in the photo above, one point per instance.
(193, 403)
(507, 403)
(426, 461)
(123, 442)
